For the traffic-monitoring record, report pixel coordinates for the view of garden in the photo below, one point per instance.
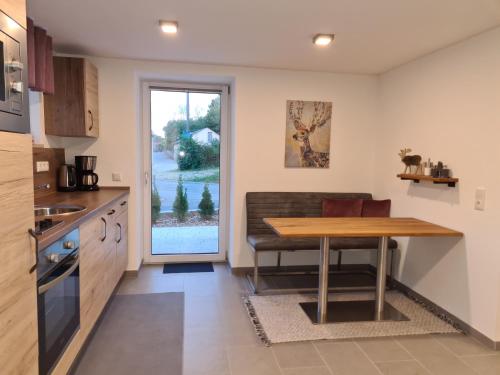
(185, 171)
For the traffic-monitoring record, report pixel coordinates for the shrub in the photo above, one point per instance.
(197, 156)
(181, 203)
(155, 204)
(206, 206)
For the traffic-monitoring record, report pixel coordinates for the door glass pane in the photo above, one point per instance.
(185, 146)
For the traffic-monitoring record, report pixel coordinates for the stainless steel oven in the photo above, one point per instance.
(13, 77)
(58, 298)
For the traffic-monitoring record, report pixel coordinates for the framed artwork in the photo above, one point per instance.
(308, 128)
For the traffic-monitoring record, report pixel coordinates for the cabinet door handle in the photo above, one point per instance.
(123, 203)
(111, 212)
(120, 228)
(105, 229)
(91, 120)
(33, 234)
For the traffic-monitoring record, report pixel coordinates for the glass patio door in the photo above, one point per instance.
(185, 172)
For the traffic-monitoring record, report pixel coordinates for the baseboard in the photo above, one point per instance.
(444, 314)
(134, 273)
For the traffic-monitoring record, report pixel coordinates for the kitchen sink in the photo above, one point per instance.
(58, 209)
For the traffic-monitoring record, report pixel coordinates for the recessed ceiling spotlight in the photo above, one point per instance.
(169, 27)
(323, 39)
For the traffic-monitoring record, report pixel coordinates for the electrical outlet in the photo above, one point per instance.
(480, 199)
(42, 166)
(115, 176)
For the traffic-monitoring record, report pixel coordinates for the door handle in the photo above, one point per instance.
(33, 235)
(91, 120)
(105, 229)
(44, 287)
(120, 228)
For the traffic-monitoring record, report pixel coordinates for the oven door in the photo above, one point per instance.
(58, 310)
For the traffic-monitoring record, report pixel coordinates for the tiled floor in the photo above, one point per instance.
(219, 339)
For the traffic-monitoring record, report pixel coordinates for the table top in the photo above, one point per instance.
(357, 227)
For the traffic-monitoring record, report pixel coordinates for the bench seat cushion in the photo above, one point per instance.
(272, 242)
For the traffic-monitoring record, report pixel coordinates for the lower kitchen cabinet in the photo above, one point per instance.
(103, 260)
(121, 258)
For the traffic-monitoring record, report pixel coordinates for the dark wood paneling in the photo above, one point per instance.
(72, 111)
(56, 158)
(65, 109)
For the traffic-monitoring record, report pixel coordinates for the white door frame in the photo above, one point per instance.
(147, 86)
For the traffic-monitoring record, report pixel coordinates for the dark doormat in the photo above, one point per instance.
(138, 334)
(188, 267)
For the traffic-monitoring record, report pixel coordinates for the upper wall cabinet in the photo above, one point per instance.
(73, 110)
(15, 9)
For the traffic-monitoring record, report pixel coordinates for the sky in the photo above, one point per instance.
(171, 105)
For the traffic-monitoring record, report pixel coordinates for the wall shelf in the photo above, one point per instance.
(450, 181)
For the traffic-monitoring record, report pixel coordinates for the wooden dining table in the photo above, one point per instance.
(327, 228)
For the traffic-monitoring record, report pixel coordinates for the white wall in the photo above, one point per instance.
(258, 101)
(447, 106)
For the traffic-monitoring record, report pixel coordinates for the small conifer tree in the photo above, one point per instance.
(181, 204)
(206, 206)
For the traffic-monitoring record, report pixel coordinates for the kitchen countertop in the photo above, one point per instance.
(93, 200)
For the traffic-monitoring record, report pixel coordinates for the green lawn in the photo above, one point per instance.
(210, 175)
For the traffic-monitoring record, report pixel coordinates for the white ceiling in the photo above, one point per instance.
(372, 36)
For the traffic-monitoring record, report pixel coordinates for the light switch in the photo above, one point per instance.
(480, 199)
(42, 166)
(116, 176)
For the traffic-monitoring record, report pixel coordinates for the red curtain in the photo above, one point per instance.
(40, 65)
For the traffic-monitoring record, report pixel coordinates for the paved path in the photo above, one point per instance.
(168, 188)
(185, 240)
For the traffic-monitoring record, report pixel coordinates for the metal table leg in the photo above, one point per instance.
(324, 263)
(351, 311)
(381, 278)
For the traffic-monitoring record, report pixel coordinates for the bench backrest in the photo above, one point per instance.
(276, 204)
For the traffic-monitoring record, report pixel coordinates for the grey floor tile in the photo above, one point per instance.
(434, 356)
(484, 364)
(383, 350)
(204, 355)
(463, 345)
(145, 285)
(307, 371)
(346, 358)
(297, 355)
(402, 368)
(252, 360)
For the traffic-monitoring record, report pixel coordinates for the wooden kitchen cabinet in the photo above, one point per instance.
(121, 245)
(94, 239)
(99, 243)
(15, 9)
(18, 296)
(103, 258)
(73, 109)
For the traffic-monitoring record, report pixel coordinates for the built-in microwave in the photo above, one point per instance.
(14, 115)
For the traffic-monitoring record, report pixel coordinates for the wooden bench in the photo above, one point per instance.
(262, 239)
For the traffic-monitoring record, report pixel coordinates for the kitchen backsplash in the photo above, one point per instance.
(55, 157)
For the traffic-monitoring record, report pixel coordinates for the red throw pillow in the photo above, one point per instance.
(373, 208)
(342, 207)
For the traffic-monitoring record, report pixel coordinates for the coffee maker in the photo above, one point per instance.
(86, 179)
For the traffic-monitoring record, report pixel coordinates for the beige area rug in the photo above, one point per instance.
(279, 318)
